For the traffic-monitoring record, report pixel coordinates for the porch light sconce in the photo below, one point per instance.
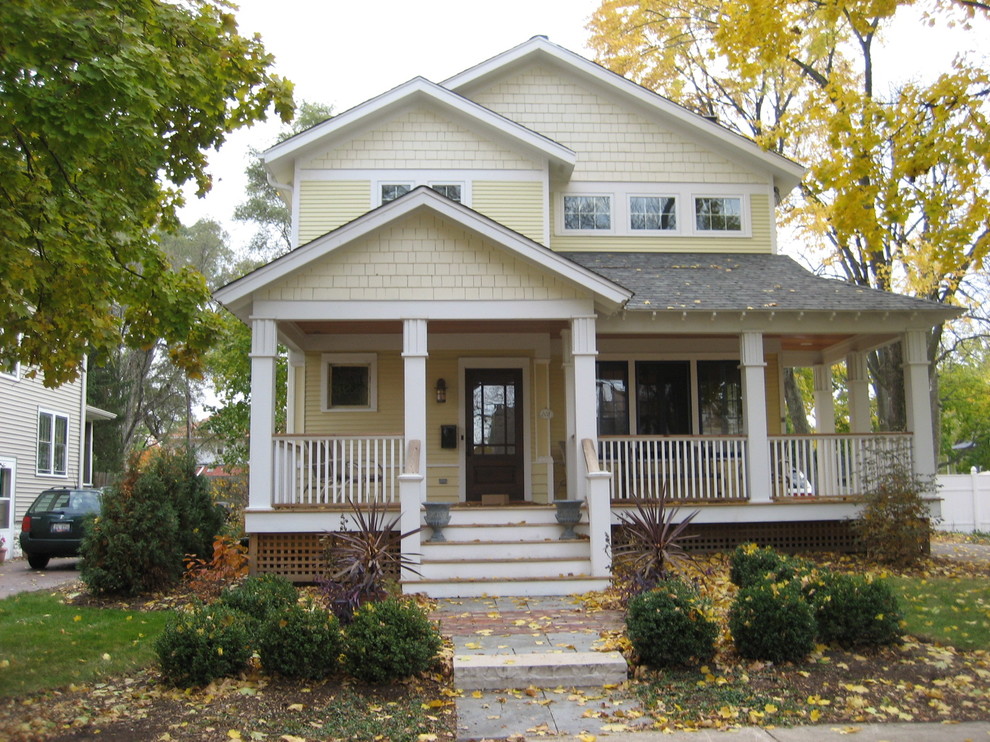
(441, 391)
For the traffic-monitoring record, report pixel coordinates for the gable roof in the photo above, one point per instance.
(419, 91)
(237, 295)
(785, 172)
(740, 282)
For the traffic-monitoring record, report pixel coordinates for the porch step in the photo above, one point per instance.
(505, 567)
(508, 587)
(538, 669)
(438, 551)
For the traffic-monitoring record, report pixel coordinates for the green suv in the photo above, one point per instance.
(53, 526)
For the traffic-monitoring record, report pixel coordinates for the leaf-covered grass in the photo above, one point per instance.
(45, 644)
(949, 610)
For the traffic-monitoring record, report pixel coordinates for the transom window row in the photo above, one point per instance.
(653, 213)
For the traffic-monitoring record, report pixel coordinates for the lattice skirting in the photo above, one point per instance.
(789, 537)
(298, 557)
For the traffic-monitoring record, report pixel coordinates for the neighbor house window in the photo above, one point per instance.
(391, 191)
(450, 190)
(350, 382)
(587, 212)
(652, 212)
(718, 214)
(613, 397)
(9, 367)
(53, 437)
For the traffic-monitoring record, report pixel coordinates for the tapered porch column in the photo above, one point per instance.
(264, 350)
(858, 384)
(584, 351)
(918, 400)
(824, 403)
(752, 370)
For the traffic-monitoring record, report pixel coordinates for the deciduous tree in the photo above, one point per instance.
(106, 110)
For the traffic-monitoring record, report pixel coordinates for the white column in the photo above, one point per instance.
(583, 354)
(858, 384)
(752, 368)
(571, 463)
(824, 404)
(264, 350)
(414, 356)
(918, 400)
(295, 393)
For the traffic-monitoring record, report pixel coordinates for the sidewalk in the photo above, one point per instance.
(16, 575)
(970, 731)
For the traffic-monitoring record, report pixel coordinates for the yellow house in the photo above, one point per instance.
(539, 282)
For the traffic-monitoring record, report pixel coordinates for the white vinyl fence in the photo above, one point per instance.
(965, 502)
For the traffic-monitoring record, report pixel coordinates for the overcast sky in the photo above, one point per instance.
(343, 52)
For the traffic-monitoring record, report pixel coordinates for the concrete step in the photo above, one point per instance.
(476, 588)
(507, 568)
(538, 669)
(514, 531)
(504, 549)
(477, 515)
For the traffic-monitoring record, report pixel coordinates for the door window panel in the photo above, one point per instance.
(494, 419)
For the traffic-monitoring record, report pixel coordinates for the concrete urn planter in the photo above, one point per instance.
(437, 516)
(568, 515)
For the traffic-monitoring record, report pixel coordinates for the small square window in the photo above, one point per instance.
(587, 212)
(349, 386)
(450, 190)
(350, 382)
(718, 214)
(652, 212)
(391, 191)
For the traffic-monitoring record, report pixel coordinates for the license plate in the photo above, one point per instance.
(61, 527)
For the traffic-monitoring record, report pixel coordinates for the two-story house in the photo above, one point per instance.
(46, 440)
(538, 281)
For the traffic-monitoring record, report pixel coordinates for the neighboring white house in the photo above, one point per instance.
(539, 281)
(46, 439)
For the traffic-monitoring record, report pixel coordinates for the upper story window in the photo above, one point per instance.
(718, 214)
(391, 191)
(350, 382)
(9, 368)
(653, 213)
(53, 438)
(450, 190)
(588, 212)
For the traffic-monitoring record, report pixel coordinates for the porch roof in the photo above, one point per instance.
(740, 282)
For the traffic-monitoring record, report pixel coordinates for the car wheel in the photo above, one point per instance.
(38, 561)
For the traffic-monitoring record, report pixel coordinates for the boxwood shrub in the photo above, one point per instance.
(854, 610)
(202, 644)
(668, 626)
(300, 642)
(389, 640)
(772, 621)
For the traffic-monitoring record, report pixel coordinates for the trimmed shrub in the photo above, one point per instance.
(854, 610)
(389, 640)
(300, 642)
(259, 597)
(751, 565)
(202, 644)
(772, 621)
(667, 626)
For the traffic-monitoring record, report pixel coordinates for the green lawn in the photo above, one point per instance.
(951, 610)
(45, 644)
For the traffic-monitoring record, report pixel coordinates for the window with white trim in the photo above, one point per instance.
(658, 213)
(450, 190)
(392, 191)
(9, 368)
(53, 439)
(350, 382)
(587, 212)
(718, 214)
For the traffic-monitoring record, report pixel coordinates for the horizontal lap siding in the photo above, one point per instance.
(518, 205)
(325, 205)
(387, 420)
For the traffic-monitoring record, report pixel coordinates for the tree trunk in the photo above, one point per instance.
(887, 373)
(794, 401)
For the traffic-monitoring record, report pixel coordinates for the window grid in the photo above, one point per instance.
(53, 437)
(718, 214)
(588, 212)
(653, 212)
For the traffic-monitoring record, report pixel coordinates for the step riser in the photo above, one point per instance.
(569, 669)
(532, 569)
(485, 516)
(516, 550)
(528, 532)
(513, 588)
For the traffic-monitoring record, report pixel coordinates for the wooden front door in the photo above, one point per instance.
(494, 455)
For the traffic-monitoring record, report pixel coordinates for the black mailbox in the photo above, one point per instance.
(448, 436)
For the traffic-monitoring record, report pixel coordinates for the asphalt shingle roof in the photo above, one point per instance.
(723, 282)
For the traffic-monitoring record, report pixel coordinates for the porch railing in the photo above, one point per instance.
(833, 465)
(332, 470)
(688, 467)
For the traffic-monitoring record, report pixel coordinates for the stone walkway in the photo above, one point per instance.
(515, 629)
